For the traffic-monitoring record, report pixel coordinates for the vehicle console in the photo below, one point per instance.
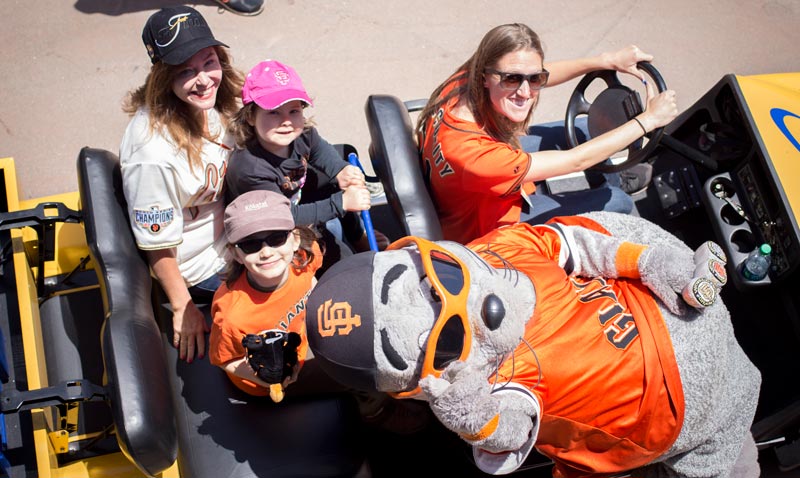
(748, 170)
(730, 172)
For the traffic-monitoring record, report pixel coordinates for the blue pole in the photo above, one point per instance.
(365, 217)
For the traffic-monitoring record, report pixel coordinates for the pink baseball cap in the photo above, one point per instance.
(270, 84)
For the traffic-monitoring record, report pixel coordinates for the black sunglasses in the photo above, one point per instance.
(512, 81)
(273, 239)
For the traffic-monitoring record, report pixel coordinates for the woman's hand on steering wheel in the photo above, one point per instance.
(625, 60)
(662, 108)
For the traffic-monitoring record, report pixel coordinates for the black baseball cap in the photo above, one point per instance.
(174, 34)
(339, 322)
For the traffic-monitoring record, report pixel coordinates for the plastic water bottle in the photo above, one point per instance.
(756, 266)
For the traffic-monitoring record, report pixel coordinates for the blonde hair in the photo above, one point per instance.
(497, 42)
(167, 111)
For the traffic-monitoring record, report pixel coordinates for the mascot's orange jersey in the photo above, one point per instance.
(614, 401)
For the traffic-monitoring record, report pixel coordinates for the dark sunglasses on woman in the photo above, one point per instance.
(512, 81)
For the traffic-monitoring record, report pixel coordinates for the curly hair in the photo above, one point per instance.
(497, 42)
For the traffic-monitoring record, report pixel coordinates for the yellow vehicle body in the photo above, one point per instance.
(53, 432)
(773, 102)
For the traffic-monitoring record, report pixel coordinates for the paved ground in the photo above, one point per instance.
(66, 65)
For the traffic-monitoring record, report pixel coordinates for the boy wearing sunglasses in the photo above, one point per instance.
(266, 284)
(266, 287)
(481, 164)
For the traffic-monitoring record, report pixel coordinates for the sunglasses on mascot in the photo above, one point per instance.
(450, 339)
(255, 244)
(513, 81)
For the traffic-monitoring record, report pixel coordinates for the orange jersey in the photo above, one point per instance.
(609, 387)
(241, 310)
(474, 179)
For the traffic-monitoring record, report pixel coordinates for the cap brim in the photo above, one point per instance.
(187, 50)
(250, 228)
(276, 101)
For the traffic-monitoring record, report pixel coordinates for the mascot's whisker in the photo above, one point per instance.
(500, 358)
(682, 411)
(507, 266)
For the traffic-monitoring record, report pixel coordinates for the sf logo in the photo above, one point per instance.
(336, 318)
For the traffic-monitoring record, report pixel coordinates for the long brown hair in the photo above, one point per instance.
(175, 116)
(495, 44)
(303, 256)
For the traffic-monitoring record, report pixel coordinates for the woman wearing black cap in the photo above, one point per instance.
(173, 157)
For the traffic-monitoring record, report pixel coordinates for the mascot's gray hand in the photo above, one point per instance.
(461, 398)
(666, 271)
(709, 276)
(679, 278)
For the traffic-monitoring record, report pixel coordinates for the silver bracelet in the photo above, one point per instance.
(640, 124)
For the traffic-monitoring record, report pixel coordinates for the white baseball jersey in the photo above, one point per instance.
(171, 205)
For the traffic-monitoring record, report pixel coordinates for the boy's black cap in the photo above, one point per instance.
(174, 34)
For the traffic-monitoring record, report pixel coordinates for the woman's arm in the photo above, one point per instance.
(623, 60)
(661, 109)
(188, 323)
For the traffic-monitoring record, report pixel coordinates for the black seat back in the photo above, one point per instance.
(395, 158)
(166, 409)
(134, 359)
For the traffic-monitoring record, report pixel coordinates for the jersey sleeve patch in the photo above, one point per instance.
(154, 219)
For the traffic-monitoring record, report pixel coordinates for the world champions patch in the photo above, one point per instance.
(153, 219)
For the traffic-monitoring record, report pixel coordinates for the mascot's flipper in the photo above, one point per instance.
(501, 424)
(501, 463)
(511, 352)
(668, 268)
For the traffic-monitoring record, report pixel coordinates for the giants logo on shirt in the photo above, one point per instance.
(298, 309)
(153, 219)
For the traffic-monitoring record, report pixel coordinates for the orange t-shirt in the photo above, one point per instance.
(610, 390)
(241, 310)
(475, 180)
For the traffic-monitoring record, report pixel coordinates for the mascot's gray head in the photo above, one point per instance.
(371, 315)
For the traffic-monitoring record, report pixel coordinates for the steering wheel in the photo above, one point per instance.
(613, 107)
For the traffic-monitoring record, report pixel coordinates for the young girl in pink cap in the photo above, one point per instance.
(279, 150)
